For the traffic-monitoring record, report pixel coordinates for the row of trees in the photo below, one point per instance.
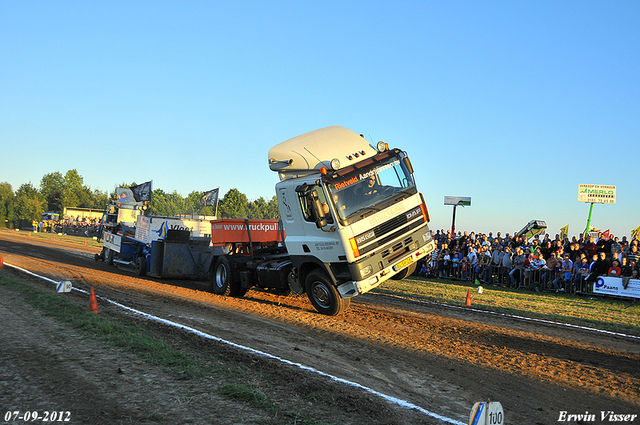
(56, 191)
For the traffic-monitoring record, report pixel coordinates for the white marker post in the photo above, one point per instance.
(489, 413)
(64, 286)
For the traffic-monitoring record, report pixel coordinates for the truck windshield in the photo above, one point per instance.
(368, 187)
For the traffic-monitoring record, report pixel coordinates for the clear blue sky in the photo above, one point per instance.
(511, 103)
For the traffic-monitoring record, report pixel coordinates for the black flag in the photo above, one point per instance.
(142, 192)
(210, 198)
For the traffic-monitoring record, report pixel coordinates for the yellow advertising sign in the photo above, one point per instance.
(596, 194)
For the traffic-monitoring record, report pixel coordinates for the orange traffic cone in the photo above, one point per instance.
(468, 297)
(1, 262)
(93, 303)
(85, 241)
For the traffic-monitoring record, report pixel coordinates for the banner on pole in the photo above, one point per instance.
(596, 194)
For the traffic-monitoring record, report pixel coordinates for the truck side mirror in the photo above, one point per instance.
(407, 163)
(318, 210)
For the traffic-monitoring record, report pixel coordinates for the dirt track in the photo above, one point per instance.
(438, 358)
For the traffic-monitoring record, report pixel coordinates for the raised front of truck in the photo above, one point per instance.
(382, 219)
(353, 219)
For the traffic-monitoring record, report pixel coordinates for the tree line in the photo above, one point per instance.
(57, 191)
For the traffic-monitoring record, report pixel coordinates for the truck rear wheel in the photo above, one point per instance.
(222, 282)
(323, 295)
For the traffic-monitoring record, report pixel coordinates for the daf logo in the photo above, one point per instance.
(413, 213)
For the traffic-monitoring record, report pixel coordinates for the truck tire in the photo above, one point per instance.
(108, 257)
(222, 282)
(141, 266)
(407, 271)
(220, 277)
(323, 295)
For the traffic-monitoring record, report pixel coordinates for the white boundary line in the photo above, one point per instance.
(391, 399)
(524, 318)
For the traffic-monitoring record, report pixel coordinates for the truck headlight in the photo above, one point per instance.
(366, 271)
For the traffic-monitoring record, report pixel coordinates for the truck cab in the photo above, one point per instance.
(352, 214)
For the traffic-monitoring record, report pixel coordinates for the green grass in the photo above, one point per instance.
(235, 381)
(610, 314)
(123, 333)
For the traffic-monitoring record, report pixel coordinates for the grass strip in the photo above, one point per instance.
(127, 334)
(123, 333)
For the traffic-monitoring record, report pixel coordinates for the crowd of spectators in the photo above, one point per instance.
(78, 226)
(538, 263)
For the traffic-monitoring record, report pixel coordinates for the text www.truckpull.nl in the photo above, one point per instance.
(252, 227)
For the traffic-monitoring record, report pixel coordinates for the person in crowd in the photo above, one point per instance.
(549, 272)
(516, 274)
(601, 265)
(485, 264)
(601, 244)
(614, 270)
(627, 268)
(496, 256)
(440, 264)
(433, 262)
(473, 262)
(536, 266)
(581, 273)
(633, 254)
(447, 263)
(464, 268)
(617, 253)
(591, 248)
(456, 257)
(566, 272)
(506, 264)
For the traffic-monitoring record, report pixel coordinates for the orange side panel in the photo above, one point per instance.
(231, 230)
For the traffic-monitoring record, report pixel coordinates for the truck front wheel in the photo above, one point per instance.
(407, 271)
(141, 266)
(108, 258)
(323, 295)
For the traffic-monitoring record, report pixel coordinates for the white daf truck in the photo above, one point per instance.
(351, 213)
